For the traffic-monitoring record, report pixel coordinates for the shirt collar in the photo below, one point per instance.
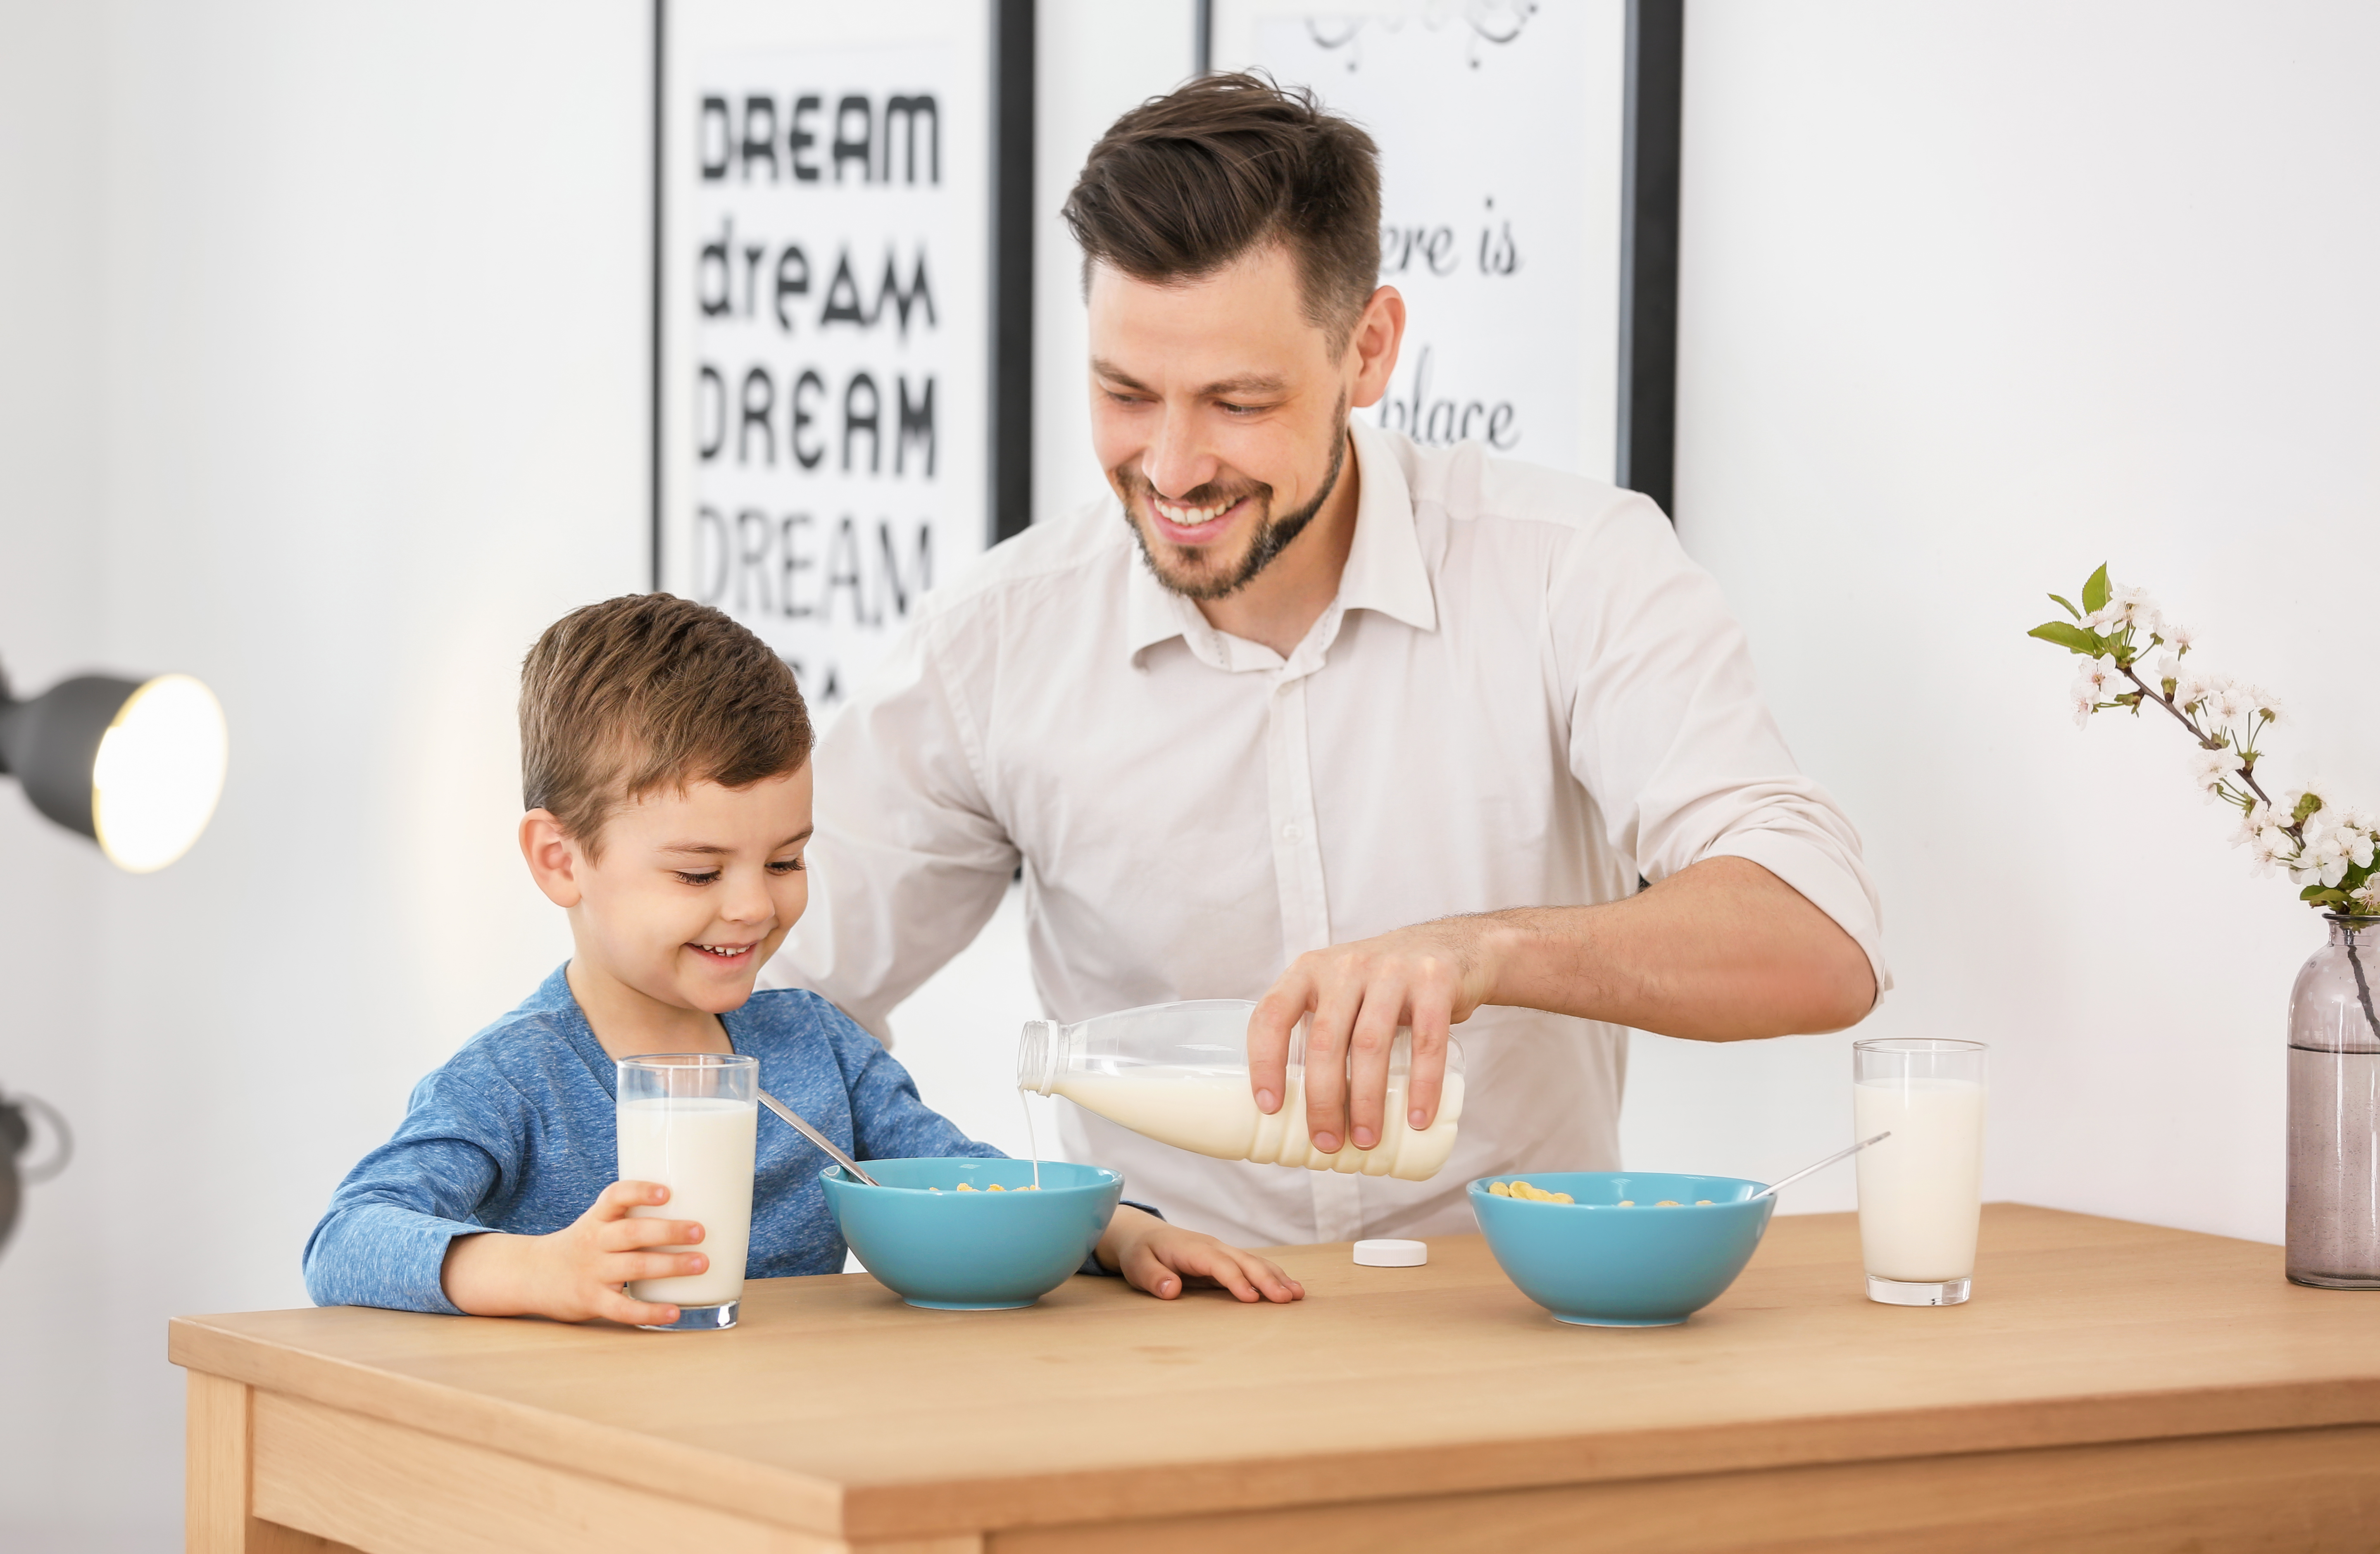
(553, 997)
(1384, 572)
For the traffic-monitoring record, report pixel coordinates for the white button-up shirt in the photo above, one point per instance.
(1525, 695)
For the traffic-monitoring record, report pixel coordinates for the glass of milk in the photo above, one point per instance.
(1919, 1191)
(688, 1120)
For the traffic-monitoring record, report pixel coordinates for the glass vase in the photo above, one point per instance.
(2333, 1216)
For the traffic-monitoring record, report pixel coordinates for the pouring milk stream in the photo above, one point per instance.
(1178, 1072)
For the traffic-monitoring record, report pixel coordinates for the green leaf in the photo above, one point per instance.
(2095, 592)
(2069, 608)
(2072, 637)
(2322, 895)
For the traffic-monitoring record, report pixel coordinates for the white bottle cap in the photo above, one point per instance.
(1393, 1253)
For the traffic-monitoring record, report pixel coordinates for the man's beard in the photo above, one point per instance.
(1272, 536)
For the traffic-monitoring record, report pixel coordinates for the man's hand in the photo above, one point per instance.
(1430, 977)
(1161, 1258)
(576, 1273)
(1723, 951)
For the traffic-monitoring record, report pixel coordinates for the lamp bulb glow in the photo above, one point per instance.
(158, 773)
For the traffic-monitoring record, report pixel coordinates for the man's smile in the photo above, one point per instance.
(1182, 525)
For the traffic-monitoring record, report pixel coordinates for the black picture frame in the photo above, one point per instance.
(1010, 499)
(1009, 495)
(1647, 440)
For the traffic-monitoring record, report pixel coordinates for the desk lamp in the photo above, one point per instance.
(135, 765)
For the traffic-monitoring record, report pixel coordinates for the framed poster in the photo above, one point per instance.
(1528, 154)
(841, 310)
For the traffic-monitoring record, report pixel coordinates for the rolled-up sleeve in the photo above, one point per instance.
(1669, 732)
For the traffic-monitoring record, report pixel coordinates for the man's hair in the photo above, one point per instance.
(648, 691)
(1186, 182)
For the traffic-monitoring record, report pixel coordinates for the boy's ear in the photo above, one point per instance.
(553, 858)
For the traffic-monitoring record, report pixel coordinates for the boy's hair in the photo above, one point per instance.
(648, 691)
(1184, 184)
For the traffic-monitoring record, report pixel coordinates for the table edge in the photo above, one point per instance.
(897, 1508)
(781, 1495)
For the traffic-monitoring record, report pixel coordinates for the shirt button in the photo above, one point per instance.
(1290, 832)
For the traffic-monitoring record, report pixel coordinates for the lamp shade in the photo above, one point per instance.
(137, 766)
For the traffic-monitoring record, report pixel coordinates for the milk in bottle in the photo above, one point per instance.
(1178, 1072)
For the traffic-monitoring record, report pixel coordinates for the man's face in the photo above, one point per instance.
(692, 892)
(1220, 412)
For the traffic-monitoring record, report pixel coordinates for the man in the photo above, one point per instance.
(1408, 722)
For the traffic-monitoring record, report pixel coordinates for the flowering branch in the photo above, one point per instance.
(2327, 849)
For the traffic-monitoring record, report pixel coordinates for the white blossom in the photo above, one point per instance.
(2235, 704)
(2270, 849)
(2212, 769)
(2133, 607)
(2178, 635)
(2328, 857)
(2192, 687)
(2083, 702)
(2367, 898)
(2267, 705)
(2103, 680)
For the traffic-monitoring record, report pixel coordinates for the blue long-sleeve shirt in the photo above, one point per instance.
(516, 1133)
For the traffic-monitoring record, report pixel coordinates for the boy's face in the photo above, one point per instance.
(692, 891)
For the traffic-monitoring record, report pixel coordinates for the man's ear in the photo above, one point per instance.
(1378, 334)
(553, 858)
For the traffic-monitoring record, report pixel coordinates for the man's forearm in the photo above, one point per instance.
(1723, 951)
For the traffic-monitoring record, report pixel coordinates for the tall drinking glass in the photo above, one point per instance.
(1919, 1191)
(688, 1121)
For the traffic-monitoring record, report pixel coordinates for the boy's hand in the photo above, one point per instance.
(1160, 1258)
(576, 1273)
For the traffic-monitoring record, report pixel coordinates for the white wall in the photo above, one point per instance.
(311, 392)
(325, 356)
(1975, 296)
(1095, 59)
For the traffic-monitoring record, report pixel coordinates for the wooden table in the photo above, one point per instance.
(2112, 1386)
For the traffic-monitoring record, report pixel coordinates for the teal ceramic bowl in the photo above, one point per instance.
(978, 1250)
(1599, 1265)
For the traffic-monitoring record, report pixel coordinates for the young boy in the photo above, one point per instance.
(665, 767)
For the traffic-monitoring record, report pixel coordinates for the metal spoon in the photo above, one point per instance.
(822, 1140)
(1820, 1165)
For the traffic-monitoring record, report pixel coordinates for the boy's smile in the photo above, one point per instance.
(687, 895)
